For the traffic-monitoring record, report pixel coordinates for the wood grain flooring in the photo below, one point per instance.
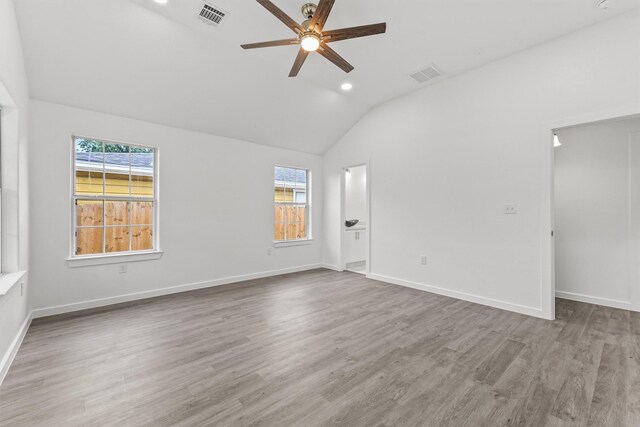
(325, 348)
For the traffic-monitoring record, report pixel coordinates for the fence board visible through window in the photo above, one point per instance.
(291, 209)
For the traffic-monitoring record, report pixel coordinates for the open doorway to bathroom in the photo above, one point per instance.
(355, 227)
(597, 212)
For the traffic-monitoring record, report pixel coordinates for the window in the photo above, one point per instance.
(291, 191)
(114, 198)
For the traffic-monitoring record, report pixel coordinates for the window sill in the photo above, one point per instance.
(9, 280)
(293, 243)
(87, 261)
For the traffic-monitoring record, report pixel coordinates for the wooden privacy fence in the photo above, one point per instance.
(125, 226)
(293, 220)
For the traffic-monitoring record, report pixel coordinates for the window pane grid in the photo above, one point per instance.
(291, 204)
(117, 218)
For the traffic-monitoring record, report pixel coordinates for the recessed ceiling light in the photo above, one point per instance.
(161, 1)
(346, 86)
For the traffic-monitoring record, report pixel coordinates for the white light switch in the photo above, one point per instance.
(510, 209)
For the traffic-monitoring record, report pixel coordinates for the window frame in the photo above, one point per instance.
(113, 256)
(308, 222)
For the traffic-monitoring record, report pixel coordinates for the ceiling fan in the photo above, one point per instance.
(311, 35)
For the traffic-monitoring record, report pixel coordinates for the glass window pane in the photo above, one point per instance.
(301, 214)
(291, 214)
(116, 166)
(301, 178)
(301, 230)
(89, 213)
(89, 241)
(142, 171)
(300, 196)
(89, 166)
(142, 185)
(289, 195)
(141, 238)
(291, 231)
(117, 184)
(279, 223)
(141, 213)
(279, 231)
(116, 212)
(117, 239)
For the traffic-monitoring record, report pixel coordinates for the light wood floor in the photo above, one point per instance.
(325, 348)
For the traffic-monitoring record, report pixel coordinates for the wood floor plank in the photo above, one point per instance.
(325, 348)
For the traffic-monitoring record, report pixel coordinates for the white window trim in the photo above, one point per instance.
(117, 257)
(309, 239)
(286, 243)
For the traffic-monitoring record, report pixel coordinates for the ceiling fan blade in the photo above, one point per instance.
(302, 56)
(320, 16)
(286, 42)
(333, 56)
(288, 21)
(353, 32)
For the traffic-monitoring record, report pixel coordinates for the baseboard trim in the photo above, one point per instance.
(332, 267)
(504, 305)
(624, 305)
(101, 302)
(11, 352)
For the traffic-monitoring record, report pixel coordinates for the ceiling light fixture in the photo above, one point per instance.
(310, 42)
(346, 86)
(556, 140)
(161, 1)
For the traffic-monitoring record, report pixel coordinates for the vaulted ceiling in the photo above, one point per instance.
(160, 63)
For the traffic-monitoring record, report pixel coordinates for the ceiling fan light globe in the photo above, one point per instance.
(310, 42)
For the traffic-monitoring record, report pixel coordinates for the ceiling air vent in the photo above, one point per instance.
(212, 15)
(430, 73)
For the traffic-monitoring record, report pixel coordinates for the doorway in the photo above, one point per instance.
(596, 212)
(354, 223)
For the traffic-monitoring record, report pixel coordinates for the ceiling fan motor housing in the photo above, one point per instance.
(308, 10)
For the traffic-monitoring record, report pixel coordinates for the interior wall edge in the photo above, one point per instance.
(12, 351)
(490, 302)
(39, 312)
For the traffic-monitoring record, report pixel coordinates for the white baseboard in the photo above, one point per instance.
(332, 267)
(504, 305)
(101, 302)
(8, 357)
(624, 305)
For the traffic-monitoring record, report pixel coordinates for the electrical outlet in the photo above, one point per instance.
(123, 268)
(423, 260)
(269, 251)
(510, 209)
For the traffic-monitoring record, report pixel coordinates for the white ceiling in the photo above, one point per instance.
(161, 64)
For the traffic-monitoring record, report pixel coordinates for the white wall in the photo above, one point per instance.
(356, 194)
(593, 212)
(469, 145)
(216, 209)
(14, 100)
